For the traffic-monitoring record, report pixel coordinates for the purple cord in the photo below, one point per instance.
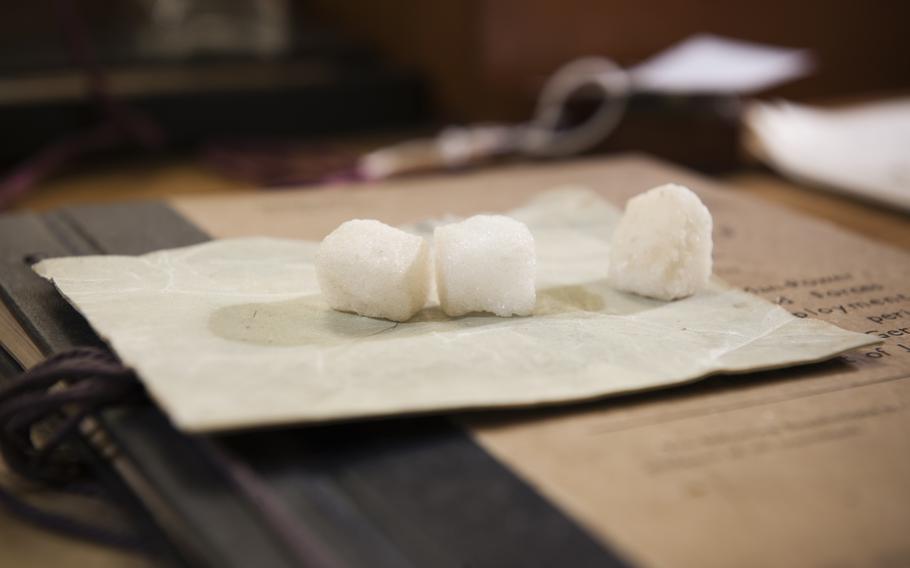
(85, 380)
(276, 164)
(92, 379)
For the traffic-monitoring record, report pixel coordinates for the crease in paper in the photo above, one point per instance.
(233, 333)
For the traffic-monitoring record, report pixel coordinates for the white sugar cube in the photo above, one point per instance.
(375, 270)
(662, 245)
(486, 263)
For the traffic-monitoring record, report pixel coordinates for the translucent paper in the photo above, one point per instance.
(233, 333)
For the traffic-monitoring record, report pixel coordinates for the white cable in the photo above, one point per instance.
(542, 135)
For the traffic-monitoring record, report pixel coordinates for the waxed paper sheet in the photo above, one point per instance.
(234, 333)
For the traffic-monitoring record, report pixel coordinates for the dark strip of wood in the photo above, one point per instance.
(132, 228)
(48, 319)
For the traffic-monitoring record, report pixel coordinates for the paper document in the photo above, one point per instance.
(863, 151)
(713, 64)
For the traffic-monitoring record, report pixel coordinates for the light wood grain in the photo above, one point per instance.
(166, 178)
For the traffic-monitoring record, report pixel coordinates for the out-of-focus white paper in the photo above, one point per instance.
(234, 333)
(712, 64)
(862, 150)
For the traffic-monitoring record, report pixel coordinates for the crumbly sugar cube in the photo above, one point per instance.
(486, 263)
(372, 269)
(662, 246)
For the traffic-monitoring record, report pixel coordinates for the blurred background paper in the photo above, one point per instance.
(259, 94)
(862, 150)
(712, 64)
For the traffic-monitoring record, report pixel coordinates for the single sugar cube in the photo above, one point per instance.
(486, 263)
(374, 270)
(662, 246)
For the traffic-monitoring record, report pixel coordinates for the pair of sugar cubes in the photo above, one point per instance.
(487, 263)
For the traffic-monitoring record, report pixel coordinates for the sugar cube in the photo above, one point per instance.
(662, 245)
(486, 263)
(372, 269)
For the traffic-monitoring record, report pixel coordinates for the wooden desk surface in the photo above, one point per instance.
(168, 178)
(25, 546)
